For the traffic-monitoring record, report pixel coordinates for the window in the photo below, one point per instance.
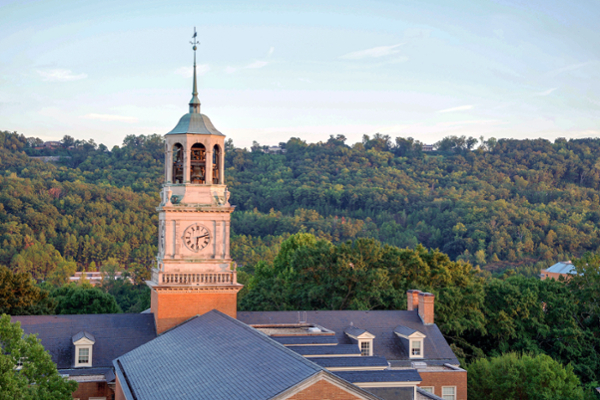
(415, 348)
(83, 356)
(19, 365)
(365, 348)
(198, 164)
(449, 392)
(177, 163)
(216, 165)
(428, 389)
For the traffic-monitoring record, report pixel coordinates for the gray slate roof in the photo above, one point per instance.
(563, 267)
(304, 340)
(115, 334)
(403, 330)
(379, 323)
(195, 123)
(83, 334)
(399, 375)
(354, 331)
(339, 349)
(215, 357)
(332, 362)
(422, 394)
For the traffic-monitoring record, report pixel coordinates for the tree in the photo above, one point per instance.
(84, 299)
(38, 378)
(20, 296)
(526, 377)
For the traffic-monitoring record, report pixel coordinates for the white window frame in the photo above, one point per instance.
(84, 343)
(81, 347)
(448, 396)
(420, 341)
(369, 343)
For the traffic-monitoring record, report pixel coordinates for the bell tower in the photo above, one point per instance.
(194, 272)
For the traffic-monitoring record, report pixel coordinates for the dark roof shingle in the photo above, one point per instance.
(379, 323)
(399, 375)
(114, 334)
(215, 357)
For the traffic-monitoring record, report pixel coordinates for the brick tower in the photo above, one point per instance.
(194, 272)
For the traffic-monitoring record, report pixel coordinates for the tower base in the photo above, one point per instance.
(173, 305)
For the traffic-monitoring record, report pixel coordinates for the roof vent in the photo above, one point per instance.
(314, 329)
(418, 364)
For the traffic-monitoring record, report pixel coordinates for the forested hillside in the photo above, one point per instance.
(493, 203)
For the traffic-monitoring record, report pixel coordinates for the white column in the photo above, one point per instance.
(187, 156)
(209, 161)
(222, 167)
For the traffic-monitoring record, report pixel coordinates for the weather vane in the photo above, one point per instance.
(194, 42)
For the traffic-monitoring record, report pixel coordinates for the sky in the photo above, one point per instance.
(269, 71)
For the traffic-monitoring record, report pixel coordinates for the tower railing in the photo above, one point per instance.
(196, 279)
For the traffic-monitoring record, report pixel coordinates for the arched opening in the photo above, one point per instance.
(216, 169)
(198, 164)
(177, 163)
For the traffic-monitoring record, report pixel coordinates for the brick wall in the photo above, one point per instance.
(93, 389)
(553, 275)
(446, 378)
(323, 390)
(171, 308)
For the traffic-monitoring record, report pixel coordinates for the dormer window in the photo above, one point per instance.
(415, 348)
(365, 348)
(412, 340)
(83, 355)
(84, 344)
(363, 338)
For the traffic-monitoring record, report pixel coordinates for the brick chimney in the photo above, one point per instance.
(412, 299)
(426, 302)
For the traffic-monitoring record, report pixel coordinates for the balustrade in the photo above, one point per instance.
(206, 278)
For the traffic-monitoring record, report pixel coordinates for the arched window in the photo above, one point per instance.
(198, 164)
(216, 165)
(177, 163)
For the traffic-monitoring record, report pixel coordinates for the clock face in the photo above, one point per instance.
(196, 237)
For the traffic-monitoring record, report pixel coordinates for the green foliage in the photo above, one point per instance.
(538, 317)
(314, 274)
(130, 298)
(20, 296)
(525, 377)
(84, 299)
(38, 379)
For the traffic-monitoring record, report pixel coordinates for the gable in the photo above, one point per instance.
(325, 386)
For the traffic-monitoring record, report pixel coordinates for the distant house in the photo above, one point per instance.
(95, 278)
(274, 150)
(427, 147)
(563, 268)
(52, 144)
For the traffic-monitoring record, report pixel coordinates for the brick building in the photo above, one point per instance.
(563, 268)
(193, 344)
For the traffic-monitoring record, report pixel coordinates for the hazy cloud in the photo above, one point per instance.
(257, 64)
(109, 117)
(60, 75)
(546, 92)
(571, 67)
(230, 70)
(271, 50)
(453, 109)
(188, 72)
(374, 52)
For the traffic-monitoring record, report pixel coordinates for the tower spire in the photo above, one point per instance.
(195, 102)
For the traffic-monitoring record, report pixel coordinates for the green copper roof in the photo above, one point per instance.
(195, 123)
